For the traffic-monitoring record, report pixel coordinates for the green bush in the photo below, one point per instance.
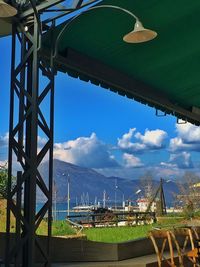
(188, 211)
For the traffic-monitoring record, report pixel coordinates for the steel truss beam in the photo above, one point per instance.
(28, 120)
(53, 6)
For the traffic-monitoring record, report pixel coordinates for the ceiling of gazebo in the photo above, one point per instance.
(163, 73)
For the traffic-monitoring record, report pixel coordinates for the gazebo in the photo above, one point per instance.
(85, 39)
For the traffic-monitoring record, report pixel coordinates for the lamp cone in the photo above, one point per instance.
(6, 27)
(139, 34)
(6, 10)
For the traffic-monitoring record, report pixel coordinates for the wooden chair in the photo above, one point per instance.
(196, 232)
(183, 240)
(160, 239)
(196, 236)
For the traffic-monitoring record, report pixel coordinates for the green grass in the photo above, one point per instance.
(59, 228)
(120, 234)
(3, 205)
(62, 228)
(117, 234)
(169, 221)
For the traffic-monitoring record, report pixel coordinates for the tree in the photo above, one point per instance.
(146, 183)
(189, 196)
(3, 182)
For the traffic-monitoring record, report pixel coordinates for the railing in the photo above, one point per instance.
(77, 225)
(113, 219)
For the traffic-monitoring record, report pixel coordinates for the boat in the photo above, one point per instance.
(85, 205)
(83, 208)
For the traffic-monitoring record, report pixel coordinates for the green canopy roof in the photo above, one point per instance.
(164, 73)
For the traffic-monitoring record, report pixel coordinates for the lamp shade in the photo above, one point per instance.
(6, 10)
(6, 27)
(139, 34)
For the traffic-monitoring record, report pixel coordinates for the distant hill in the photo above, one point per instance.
(85, 181)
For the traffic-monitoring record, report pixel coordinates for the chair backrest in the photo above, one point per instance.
(160, 240)
(196, 235)
(184, 238)
(159, 233)
(196, 232)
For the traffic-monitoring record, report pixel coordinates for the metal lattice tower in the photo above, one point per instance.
(27, 121)
(31, 116)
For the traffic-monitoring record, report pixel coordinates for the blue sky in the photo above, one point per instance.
(115, 135)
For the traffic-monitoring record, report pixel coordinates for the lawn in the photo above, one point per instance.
(120, 234)
(3, 205)
(59, 228)
(117, 234)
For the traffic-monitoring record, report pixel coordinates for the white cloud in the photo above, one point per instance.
(41, 141)
(125, 141)
(154, 138)
(4, 140)
(182, 160)
(166, 170)
(188, 132)
(177, 144)
(85, 151)
(188, 138)
(178, 161)
(168, 165)
(151, 140)
(132, 161)
(3, 164)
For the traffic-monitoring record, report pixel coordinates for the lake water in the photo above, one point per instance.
(60, 211)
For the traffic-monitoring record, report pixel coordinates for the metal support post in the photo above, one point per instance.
(162, 199)
(31, 117)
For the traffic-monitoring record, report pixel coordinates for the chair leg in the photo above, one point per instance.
(180, 257)
(171, 250)
(157, 252)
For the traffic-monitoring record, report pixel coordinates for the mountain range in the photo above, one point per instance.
(87, 182)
